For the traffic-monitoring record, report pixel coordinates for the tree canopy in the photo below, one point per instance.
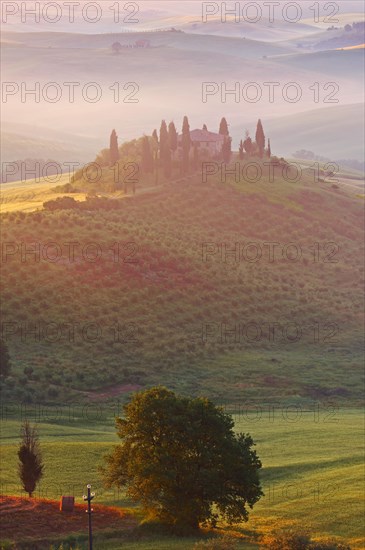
(182, 460)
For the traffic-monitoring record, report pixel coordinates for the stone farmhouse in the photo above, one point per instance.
(205, 140)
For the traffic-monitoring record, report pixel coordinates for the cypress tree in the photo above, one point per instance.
(147, 157)
(30, 459)
(186, 143)
(260, 138)
(268, 148)
(205, 127)
(164, 143)
(114, 150)
(226, 149)
(247, 144)
(223, 127)
(155, 136)
(172, 137)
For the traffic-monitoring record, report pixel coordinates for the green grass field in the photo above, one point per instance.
(312, 468)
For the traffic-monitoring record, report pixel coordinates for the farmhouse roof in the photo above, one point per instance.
(205, 135)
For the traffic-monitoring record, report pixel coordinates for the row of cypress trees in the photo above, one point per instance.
(256, 147)
(158, 151)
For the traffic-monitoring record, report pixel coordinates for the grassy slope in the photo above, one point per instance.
(170, 294)
(30, 195)
(309, 467)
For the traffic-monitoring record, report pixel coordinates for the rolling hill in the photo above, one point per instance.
(164, 315)
(245, 286)
(335, 132)
(21, 141)
(335, 63)
(76, 131)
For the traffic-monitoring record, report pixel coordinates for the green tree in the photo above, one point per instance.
(172, 137)
(223, 127)
(268, 148)
(182, 460)
(114, 150)
(5, 363)
(260, 138)
(147, 156)
(186, 144)
(30, 459)
(205, 127)
(247, 144)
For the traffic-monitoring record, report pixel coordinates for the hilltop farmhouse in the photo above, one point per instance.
(210, 141)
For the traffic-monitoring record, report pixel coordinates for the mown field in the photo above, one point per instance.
(312, 469)
(27, 196)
